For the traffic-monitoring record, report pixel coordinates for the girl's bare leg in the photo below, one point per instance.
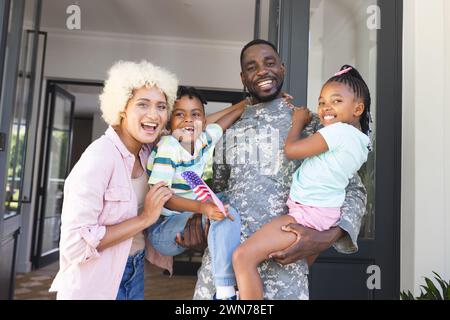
(256, 249)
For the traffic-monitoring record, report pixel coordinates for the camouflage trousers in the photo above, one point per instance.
(280, 282)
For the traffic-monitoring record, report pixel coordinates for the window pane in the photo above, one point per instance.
(340, 34)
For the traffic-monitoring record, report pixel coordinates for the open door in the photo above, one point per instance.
(55, 168)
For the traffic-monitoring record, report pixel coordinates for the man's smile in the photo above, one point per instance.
(265, 84)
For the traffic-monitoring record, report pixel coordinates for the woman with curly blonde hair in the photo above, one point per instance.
(107, 203)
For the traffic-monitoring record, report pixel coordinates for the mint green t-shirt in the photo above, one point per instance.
(321, 180)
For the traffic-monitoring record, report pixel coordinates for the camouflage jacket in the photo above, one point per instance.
(252, 171)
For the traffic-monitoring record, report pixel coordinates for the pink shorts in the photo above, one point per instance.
(314, 217)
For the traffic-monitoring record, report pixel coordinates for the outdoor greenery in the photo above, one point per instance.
(59, 154)
(16, 154)
(15, 167)
(431, 292)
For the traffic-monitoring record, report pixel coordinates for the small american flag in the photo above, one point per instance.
(202, 191)
(197, 185)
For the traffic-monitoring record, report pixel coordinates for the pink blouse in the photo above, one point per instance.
(98, 193)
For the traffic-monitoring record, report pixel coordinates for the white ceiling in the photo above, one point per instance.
(230, 20)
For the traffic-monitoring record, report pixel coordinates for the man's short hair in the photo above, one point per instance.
(256, 42)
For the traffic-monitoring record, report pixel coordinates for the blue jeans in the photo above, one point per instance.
(132, 283)
(223, 238)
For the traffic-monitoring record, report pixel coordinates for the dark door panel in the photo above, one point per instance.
(340, 279)
(8, 251)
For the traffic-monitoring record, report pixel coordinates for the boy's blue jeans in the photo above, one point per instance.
(223, 238)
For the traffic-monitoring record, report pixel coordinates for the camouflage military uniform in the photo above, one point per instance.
(259, 178)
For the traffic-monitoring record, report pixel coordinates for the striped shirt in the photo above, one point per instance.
(169, 160)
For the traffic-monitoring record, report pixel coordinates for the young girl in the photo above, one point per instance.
(333, 155)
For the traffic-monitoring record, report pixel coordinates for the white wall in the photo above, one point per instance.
(425, 233)
(88, 55)
(446, 152)
(99, 126)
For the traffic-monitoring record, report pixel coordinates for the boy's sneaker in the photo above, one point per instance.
(229, 298)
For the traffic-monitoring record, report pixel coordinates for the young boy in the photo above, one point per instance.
(189, 149)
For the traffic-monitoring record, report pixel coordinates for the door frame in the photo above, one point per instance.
(39, 260)
(293, 47)
(4, 14)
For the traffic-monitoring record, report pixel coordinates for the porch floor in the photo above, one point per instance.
(158, 286)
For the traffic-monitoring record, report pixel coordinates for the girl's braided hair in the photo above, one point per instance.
(352, 78)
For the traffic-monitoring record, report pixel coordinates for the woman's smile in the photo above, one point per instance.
(150, 127)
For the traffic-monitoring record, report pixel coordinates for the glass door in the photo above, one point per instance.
(58, 137)
(17, 80)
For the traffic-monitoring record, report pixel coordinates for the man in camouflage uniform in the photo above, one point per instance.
(255, 176)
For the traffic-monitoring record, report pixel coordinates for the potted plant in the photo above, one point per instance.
(431, 292)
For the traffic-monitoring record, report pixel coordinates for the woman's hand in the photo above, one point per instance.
(301, 116)
(155, 199)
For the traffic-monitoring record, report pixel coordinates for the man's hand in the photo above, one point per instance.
(195, 237)
(309, 242)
